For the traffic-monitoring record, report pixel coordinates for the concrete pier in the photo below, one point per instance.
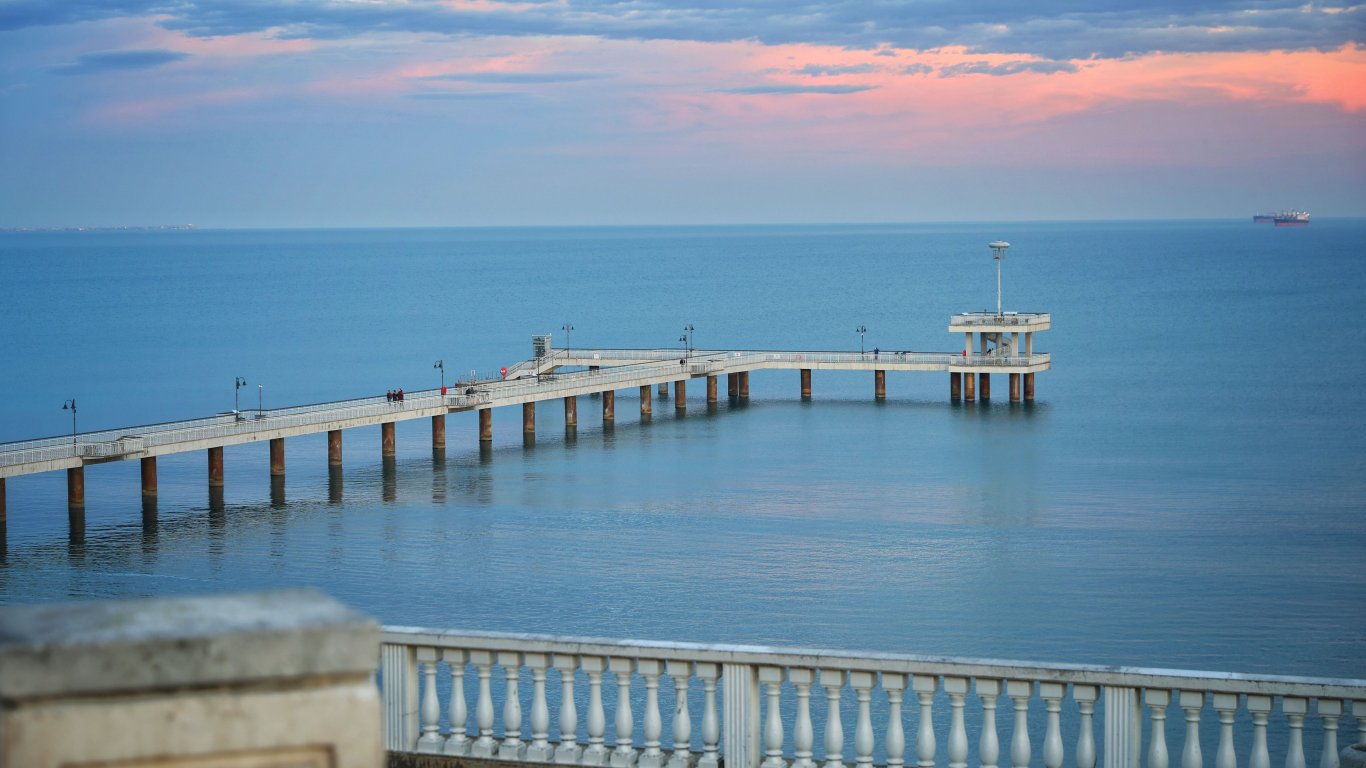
(984, 385)
(646, 401)
(711, 389)
(439, 432)
(969, 387)
(732, 384)
(955, 386)
(806, 383)
(1029, 387)
(149, 475)
(528, 418)
(744, 385)
(680, 394)
(571, 411)
(1014, 387)
(609, 405)
(334, 448)
(880, 385)
(386, 439)
(277, 455)
(663, 390)
(75, 487)
(486, 425)
(216, 467)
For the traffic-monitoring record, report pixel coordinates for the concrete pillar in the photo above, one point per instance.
(680, 394)
(334, 448)
(486, 425)
(277, 456)
(646, 401)
(969, 387)
(1014, 387)
(216, 467)
(880, 385)
(732, 384)
(806, 383)
(2, 505)
(149, 476)
(1015, 343)
(744, 385)
(571, 411)
(528, 418)
(438, 431)
(386, 439)
(711, 389)
(967, 342)
(663, 390)
(75, 487)
(984, 385)
(609, 405)
(1029, 387)
(955, 386)
(1029, 343)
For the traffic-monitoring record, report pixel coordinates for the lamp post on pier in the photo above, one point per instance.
(70, 405)
(862, 329)
(687, 337)
(442, 365)
(238, 383)
(998, 249)
(568, 329)
(260, 401)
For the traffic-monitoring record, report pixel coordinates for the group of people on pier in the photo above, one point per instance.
(394, 396)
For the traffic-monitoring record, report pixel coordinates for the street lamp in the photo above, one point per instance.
(862, 329)
(998, 248)
(442, 365)
(260, 399)
(70, 405)
(687, 330)
(237, 397)
(567, 330)
(684, 341)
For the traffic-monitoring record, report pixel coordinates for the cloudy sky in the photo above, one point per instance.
(293, 113)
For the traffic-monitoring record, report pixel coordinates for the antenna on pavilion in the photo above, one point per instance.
(998, 248)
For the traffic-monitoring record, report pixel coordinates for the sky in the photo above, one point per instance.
(331, 113)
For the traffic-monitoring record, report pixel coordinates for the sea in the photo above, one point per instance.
(1188, 490)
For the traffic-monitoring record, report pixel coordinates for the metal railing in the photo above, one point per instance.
(1007, 318)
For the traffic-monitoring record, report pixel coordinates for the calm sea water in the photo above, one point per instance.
(1189, 489)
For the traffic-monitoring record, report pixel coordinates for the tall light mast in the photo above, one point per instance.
(998, 248)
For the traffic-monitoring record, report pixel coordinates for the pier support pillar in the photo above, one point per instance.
(880, 385)
(149, 476)
(75, 487)
(529, 418)
(571, 411)
(663, 390)
(969, 387)
(984, 385)
(438, 431)
(744, 385)
(386, 439)
(334, 448)
(609, 405)
(646, 400)
(680, 394)
(1029, 344)
(806, 383)
(216, 467)
(1014, 387)
(955, 386)
(732, 384)
(486, 425)
(1029, 387)
(277, 456)
(711, 389)
(2, 508)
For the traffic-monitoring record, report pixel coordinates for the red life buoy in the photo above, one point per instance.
(503, 371)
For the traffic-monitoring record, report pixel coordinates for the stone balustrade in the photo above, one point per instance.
(717, 695)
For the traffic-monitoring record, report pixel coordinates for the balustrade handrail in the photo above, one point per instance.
(1005, 318)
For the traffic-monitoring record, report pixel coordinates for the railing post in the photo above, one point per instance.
(398, 671)
(1123, 732)
(740, 704)
(430, 741)
(711, 731)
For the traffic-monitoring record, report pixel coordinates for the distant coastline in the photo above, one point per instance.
(143, 228)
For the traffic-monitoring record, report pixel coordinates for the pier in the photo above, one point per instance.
(993, 343)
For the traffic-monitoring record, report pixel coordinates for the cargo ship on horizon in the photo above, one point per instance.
(1283, 218)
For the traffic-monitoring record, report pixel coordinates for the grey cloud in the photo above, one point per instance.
(917, 69)
(111, 61)
(816, 70)
(517, 78)
(461, 95)
(1006, 68)
(784, 88)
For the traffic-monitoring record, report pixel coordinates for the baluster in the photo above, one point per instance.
(512, 747)
(1052, 694)
(1359, 712)
(711, 725)
(772, 680)
(895, 686)
(653, 756)
(596, 753)
(458, 743)
(957, 689)
(832, 680)
(862, 683)
(1226, 705)
(431, 708)
(539, 751)
(1158, 699)
(1192, 702)
(989, 746)
(1260, 709)
(483, 746)
(625, 754)
(1329, 711)
(1019, 692)
(1294, 708)
(1085, 696)
(925, 747)
(680, 671)
(803, 735)
(568, 752)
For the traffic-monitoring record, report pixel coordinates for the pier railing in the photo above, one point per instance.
(1106, 711)
(1006, 318)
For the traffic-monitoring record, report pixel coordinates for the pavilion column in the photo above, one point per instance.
(438, 431)
(609, 405)
(732, 384)
(75, 487)
(529, 418)
(486, 425)
(680, 394)
(277, 456)
(386, 439)
(149, 476)
(880, 385)
(1029, 343)
(744, 385)
(806, 383)
(216, 467)
(571, 411)
(955, 386)
(334, 448)
(969, 387)
(984, 385)
(646, 400)
(1014, 387)
(1029, 387)
(711, 389)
